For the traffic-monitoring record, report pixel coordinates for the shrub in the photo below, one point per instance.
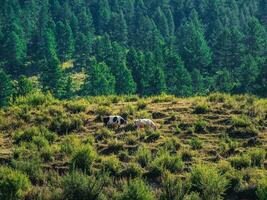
(173, 188)
(69, 144)
(152, 136)
(257, 157)
(31, 167)
(141, 105)
(102, 111)
(127, 111)
(40, 142)
(208, 182)
(192, 196)
(240, 121)
(28, 134)
(239, 162)
(35, 99)
(218, 97)
(66, 125)
(111, 165)
(200, 126)
(137, 189)
(83, 158)
(104, 133)
(13, 184)
(171, 144)
(76, 107)
(77, 185)
(173, 163)
(201, 109)
(143, 156)
(262, 189)
(196, 144)
(132, 170)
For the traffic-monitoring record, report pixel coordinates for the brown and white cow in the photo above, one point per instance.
(145, 123)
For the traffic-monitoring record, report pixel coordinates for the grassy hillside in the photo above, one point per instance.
(205, 148)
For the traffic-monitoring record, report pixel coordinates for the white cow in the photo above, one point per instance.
(145, 123)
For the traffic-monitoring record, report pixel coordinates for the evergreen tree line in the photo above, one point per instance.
(148, 47)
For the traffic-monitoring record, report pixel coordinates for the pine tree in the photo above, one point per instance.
(100, 81)
(192, 44)
(198, 83)
(178, 78)
(6, 89)
(262, 12)
(247, 74)
(52, 77)
(261, 83)
(15, 48)
(228, 49)
(135, 62)
(118, 27)
(83, 49)
(224, 81)
(65, 41)
(162, 23)
(24, 86)
(255, 39)
(103, 16)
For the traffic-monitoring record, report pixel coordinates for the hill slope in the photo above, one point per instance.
(47, 139)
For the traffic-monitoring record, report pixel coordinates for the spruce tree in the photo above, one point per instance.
(24, 86)
(52, 77)
(192, 44)
(100, 81)
(198, 83)
(224, 81)
(65, 41)
(247, 74)
(255, 39)
(103, 16)
(178, 79)
(118, 27)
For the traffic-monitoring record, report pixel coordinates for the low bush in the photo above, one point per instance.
(83, 159)
(13, 184)
(77, 185)
(196, 144)
(143, 156)
(132, 170)
(69, 144)
(239, 162)
(257, 157)
(208, 182)
(127, 110)
(111, 165)
(31, 167)
(28, 134)
(141, 104)
(102, 111)
(173, 188)
(240, 121)
(152, 136)
(173, 163)
(262, 189)
(201, 109)
(136, 189)
(200, 126)
(76, 107)
(35, 99)
(104, 133)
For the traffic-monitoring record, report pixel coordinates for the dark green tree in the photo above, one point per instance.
(247, 74)
(224, 81)
(52, 77)
(192, 44)
(118, 28)
(178, 79)
(255, 39)
(100, 81)
(103, 16)
(24, 86)
(198, 83)
(65, 41)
